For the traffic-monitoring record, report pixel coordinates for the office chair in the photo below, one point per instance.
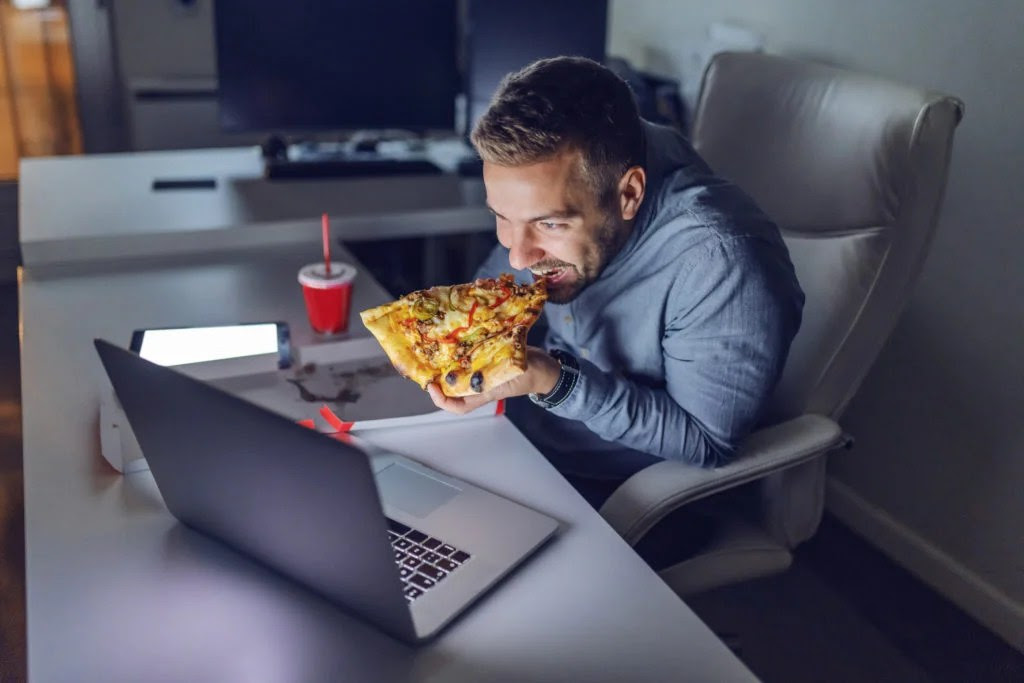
(852, 168)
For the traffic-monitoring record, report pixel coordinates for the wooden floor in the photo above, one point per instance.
(38, 114)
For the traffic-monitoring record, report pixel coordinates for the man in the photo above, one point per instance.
(672, 299)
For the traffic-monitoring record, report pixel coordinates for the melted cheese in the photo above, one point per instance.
(465, 328)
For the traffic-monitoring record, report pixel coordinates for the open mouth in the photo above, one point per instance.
(553, 276)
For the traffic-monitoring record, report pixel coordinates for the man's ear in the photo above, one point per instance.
(631, 191)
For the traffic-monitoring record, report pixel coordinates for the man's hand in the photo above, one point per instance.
(541, 375)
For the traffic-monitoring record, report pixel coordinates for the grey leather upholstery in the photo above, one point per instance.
(637, 505)
(853, 168)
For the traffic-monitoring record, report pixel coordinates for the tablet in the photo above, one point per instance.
(181, 345)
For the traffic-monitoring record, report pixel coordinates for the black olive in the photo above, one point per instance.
(476, 382)
(451, 377)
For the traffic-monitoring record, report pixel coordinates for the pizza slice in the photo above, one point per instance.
(468, 338)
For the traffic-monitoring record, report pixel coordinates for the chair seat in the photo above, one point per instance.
(738, 551)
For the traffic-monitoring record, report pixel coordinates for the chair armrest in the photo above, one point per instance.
(650, 494)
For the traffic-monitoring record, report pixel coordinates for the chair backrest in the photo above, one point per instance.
(852, 168)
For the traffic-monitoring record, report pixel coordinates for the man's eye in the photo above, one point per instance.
(548, 225)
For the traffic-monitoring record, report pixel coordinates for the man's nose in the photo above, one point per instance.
(523, 250)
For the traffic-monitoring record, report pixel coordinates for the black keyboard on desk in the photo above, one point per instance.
(276, 169)
(423, 561)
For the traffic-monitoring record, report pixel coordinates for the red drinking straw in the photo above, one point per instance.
(325, 229)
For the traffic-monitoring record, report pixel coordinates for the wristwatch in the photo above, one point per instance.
(567, 379)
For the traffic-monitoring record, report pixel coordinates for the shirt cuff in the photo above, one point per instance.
(587, 396)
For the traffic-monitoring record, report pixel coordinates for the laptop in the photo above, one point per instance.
(404, 546)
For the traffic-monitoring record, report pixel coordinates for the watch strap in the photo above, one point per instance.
(567, 379)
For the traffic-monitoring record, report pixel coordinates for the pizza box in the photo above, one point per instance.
(341, 386)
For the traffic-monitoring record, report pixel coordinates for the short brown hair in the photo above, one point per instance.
(559, 104)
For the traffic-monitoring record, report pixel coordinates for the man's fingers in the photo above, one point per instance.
(459, 406)
(452, 405)
(439, 399)
(471, 403)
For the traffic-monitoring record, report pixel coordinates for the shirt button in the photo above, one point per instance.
(568, 320)
(585, 353)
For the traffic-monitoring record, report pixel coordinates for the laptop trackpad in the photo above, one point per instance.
(412, 492)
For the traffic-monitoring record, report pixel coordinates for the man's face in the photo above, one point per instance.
(550, 221)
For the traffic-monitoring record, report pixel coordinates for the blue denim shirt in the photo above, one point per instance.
(684, 335)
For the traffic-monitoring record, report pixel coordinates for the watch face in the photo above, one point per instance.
(538, 400)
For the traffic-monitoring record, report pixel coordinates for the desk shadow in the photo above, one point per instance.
(258, 200)
(314, 639)
(318, 639)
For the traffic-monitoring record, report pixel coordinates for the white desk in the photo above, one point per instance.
(117, 590)
(88, 208)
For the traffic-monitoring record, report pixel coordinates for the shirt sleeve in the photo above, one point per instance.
(729, 323)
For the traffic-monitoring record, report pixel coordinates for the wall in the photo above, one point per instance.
(168, 69)
(937, 476)
(164, 39)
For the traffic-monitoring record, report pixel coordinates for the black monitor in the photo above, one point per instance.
(303, 65)
(502, 37)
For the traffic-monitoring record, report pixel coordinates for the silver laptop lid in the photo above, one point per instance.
(301, 503)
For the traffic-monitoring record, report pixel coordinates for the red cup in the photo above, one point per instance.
(328, 296)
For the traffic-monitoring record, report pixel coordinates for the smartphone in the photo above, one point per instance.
(181, 345)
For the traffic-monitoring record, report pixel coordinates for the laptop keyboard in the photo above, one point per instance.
(423, 561)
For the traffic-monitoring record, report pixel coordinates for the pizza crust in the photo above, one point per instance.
(379, 311)
(493, 376)
(393, 343)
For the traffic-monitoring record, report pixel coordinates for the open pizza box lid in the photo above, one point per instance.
(341, 386)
